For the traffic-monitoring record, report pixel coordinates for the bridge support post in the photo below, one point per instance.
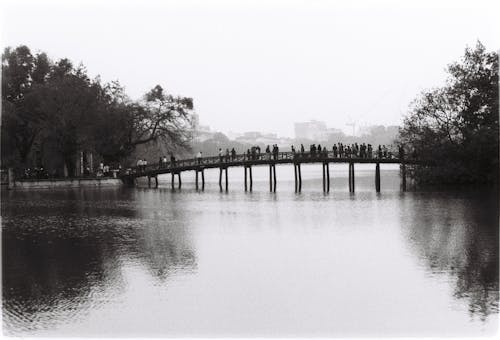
(251, 181)
(173, 179)
(300, 177)
(245, 177)
(196, 180)
(324, 176)
(156, 181)
(220, 179)
(202, 179)
(227, 183)
(377, 177)
(295, 173)
(351, 177)
(327, 177)
(180, 182)
(403, 176)
(274, 177)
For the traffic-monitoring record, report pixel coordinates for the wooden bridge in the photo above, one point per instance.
(151, 171)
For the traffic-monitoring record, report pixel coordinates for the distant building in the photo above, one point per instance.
(312, 130)
(200, 132)
(251, 135)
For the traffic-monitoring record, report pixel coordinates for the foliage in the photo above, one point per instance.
(57, 104)
(456, 126)
(22, 72)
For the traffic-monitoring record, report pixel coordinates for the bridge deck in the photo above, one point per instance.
(252, 160)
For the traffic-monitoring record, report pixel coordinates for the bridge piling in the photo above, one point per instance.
(377, 177)
(300, 177)
(251, 181)
(324, 177)
(196, 179)
(351, 177)
(327, 169)
(173, 179)
(245, 177)
(220, 179)
(202, 179)
(270, 177)
(180, 182)
(226, 179)
(295, 173)
(274, 177)
(327, 177)
(156, 181)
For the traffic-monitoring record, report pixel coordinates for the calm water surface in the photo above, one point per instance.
(157, 262)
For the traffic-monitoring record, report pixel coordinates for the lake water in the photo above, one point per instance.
(157, 262)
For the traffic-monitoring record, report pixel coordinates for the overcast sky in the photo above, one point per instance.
(263, 65)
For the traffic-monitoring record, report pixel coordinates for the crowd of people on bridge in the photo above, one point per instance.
(339, 150)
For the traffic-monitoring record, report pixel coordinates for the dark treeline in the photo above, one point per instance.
(53, 113)
(456, 126)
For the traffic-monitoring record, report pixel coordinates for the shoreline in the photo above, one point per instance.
(65, 183)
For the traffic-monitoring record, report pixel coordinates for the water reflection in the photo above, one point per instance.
(237, 264)
(457, 235)
(64, 254)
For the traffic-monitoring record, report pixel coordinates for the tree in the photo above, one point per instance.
(165, 117)
(456, 126)
(21, 120)
(57, 105)
(69, 107)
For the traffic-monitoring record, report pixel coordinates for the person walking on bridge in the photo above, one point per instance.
(198, 157)
(233, 154)
(220, 155)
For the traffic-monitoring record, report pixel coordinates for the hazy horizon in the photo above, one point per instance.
(261, 66)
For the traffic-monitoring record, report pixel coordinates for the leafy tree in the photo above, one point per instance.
(158, 119)
(59, 106)
(456, 126)
(69, 107)
(21, 119)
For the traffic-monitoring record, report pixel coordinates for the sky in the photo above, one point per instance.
(263, 65)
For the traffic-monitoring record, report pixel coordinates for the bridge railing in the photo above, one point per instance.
(252, 157)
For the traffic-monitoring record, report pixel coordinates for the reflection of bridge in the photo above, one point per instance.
(247, 161)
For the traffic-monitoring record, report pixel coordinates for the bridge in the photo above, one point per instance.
(247, 161)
